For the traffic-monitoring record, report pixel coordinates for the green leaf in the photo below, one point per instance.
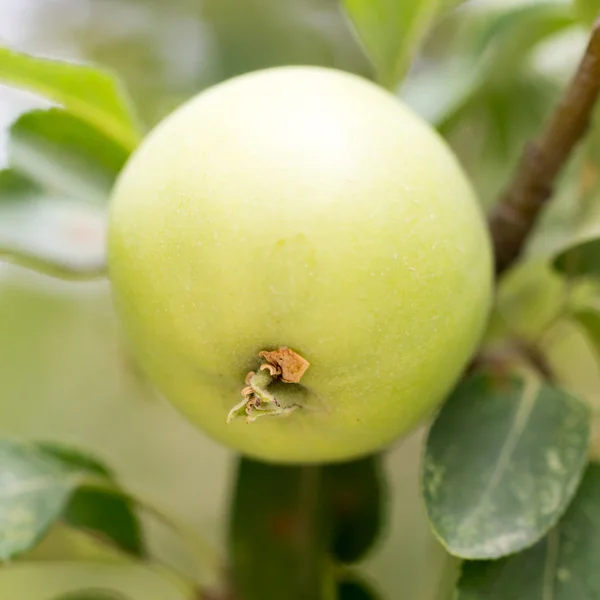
(589, 320)
(49, 234)
(355, 493)
(65, 155)
(587, 10)
(563, 566)
(91, 595)
(100, 512)
(502, 461)
(352, 587)
(582, 258)
(279, 538)
(92, 94)
(37, 485)
(14, 187)
(490, 53)
(390, 30)
(514, 32)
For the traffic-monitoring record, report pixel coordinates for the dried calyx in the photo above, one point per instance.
(283, 365)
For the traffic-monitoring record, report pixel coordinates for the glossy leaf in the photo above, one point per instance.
(92, 94)
(355, 494)
(65, 155)
(562, 566)
(37, 486)
(390, 31)
(503, 460)
(279, 538)
(580, 259)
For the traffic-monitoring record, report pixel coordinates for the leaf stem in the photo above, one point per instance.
(518, 209)
(53, 269)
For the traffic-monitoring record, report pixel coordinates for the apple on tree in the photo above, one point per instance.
(300, 264)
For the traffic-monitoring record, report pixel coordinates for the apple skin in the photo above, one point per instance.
(301, 207)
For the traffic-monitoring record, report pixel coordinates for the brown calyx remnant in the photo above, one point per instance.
(284, 364)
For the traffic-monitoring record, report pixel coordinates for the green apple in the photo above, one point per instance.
(306, 209)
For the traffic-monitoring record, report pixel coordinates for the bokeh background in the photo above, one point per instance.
(64, 374)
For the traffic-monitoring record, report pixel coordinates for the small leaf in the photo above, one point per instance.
(352, 587)
(37, 484)
(100, 512)
(355, 494)
(491, 49)
(563, 566)
(53, 235)
(91, 595)
(390, 31)
(502, 461)
(14, 187)
(589, 320)
(64, 155)
(92, 94)
(587, 10)
(279, 538)
(580, 259)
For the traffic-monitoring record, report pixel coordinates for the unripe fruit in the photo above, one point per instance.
(308, 209)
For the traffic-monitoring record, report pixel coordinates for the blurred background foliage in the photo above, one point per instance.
(485, 76)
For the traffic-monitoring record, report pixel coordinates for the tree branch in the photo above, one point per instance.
(519, 207)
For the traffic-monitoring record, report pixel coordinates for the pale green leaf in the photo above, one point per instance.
(91, 93)
(64, 155)
(390, 31)
(587, 10)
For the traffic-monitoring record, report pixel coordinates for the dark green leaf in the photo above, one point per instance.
(100, 512)
(92, 94)
(589, 320)
(563, 566)
(279, 538)
(355, 493)
(14, 187)
(91, 595)
(502, 461)
(65, 155)
(108, 516)
(37, 486)
(390, 31)
(354, 588)
(580, 259)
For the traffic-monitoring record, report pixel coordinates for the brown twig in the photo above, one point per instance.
(518, 209)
